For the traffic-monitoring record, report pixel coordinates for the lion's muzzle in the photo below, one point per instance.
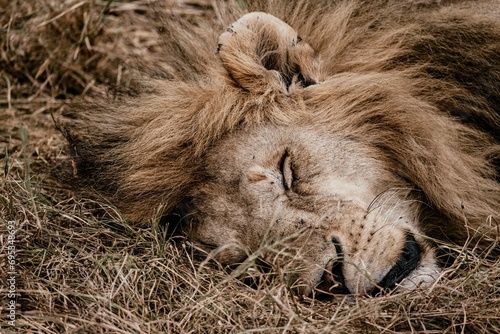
(334, 281)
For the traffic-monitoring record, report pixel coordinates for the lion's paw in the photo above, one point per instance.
(261, 52)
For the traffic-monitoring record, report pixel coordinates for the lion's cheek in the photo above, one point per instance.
(219, 242)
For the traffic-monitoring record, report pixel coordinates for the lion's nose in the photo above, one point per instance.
(334, 280)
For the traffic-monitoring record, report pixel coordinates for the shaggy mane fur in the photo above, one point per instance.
(422, 84)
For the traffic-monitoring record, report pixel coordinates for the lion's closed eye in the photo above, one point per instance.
(286, 170)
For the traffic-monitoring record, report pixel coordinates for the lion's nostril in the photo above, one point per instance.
(408, 262)
(333, 280)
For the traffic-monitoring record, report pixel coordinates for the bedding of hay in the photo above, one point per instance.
(80, 268)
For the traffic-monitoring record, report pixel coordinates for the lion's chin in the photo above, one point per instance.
(426, 274)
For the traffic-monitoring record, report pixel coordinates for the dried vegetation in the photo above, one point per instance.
(82, 269)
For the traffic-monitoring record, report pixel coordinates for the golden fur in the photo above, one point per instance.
(417, 85)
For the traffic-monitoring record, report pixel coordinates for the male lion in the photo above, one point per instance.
(340, 155)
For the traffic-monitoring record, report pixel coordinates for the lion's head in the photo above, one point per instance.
(316, 202)
(339, 157)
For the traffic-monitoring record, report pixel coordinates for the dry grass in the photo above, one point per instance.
(82, 269)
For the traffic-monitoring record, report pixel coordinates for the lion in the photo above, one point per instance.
(336, 140)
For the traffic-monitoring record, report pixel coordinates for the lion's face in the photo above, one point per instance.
(316, 204)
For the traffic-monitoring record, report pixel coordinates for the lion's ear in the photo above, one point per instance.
(260, 52)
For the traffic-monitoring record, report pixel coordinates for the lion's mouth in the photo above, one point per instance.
(334, 281)
(408, 261)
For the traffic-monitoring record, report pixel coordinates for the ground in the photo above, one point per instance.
(79, 267)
